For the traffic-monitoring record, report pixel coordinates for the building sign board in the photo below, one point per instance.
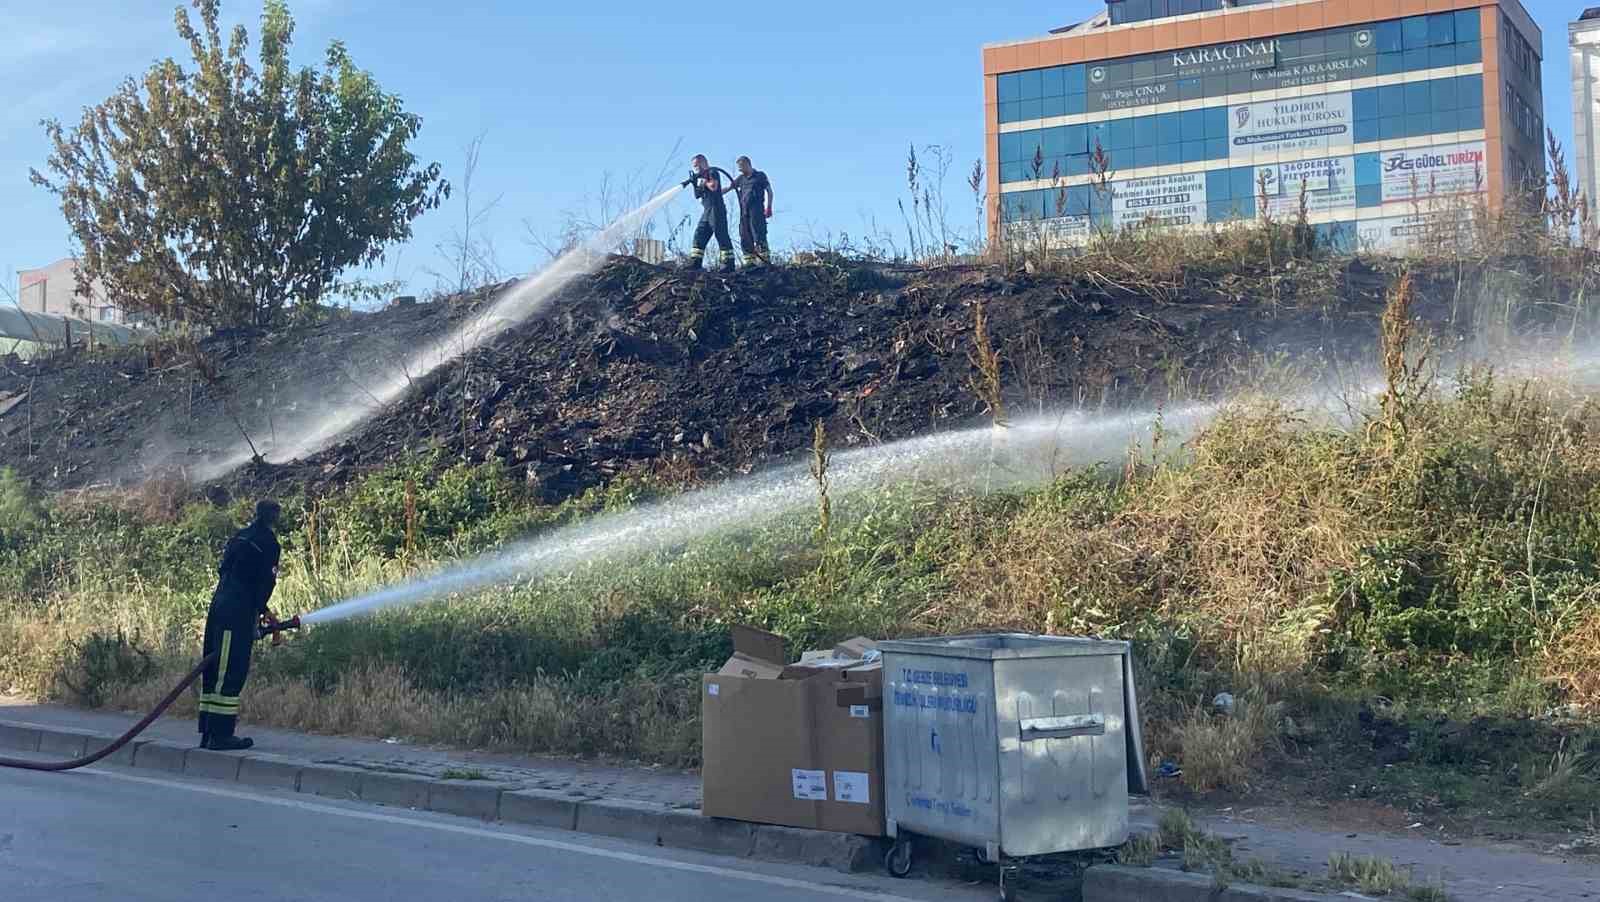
(1293, 125)
(1167, 200)
(1425, 172)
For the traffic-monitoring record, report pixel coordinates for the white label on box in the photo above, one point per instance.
(861, 711)
(810, 785)
(849, 786)
(713, 688)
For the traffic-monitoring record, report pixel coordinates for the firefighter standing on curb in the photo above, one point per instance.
(755, 208)
(246, 577)
(708, 189)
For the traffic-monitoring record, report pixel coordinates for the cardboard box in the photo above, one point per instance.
(800, 746)
(855, 649)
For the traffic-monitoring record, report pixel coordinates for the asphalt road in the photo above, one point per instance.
(116, 834)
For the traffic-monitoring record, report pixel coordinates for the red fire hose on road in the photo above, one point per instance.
(157, 711)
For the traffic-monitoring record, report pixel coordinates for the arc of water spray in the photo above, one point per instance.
(1030, 452)
(520, 303)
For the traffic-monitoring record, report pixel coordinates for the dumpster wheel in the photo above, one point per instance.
(897, 861)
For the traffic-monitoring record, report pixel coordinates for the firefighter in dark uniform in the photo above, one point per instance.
(246, 577)
(708, 189)
(755, 208)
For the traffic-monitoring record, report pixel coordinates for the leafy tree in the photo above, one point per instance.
(229, 194)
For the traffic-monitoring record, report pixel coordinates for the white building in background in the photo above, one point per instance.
(54, 289)
(1583, 36)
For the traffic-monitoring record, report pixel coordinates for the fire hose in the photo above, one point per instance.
(157, 711)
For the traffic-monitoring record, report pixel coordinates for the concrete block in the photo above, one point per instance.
(622, 818)
(331, 780)
(63, 743)
(163, 756)
(271, 771)
(395, 790)
(682, 829)
(1112, 883)
(212, 765)
(125, 755)
(19, 738)
(844, 852)
(540, 808)
(468, 798)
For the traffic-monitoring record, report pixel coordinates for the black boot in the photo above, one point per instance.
(229, 743)
(727, 264)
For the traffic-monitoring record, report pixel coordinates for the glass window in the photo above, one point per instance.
(1167, 129)
(1444, 121)
(1313, 44)
(1364, 104)
(1144, 156)
(1442, 56)
(1122, 134)
(1099, 136)
(1441, 29)
(1074, 78)
(1010, 112)
(1078, 200)
(1216, 148)
(1391, 127)
(1078, 164)
(1169, 154)
(1194, 151)
(1192, 124)
(1219, 209)
(1470, 89)
(1011, 172)
(1218, 186)
(1074, 104)
(1214, 85)
(1469, 25)
(1009, 87)
(1217, 122)
(1075, 139)
(1468, 52)
(1388, 37)
(1190, 89)
(1414, 32)
(1369, 195)
(1054, 82)
(1054, 141)
(1392, 100)
(1417, 60)
(1391, 63)
(1369, 169)
(1144, 131)
(1030, 109)
(1419, 98)
(1053, 106)
(1243, 182)
(1469, 118)
(1444, 93)
(1418, 124)
(1241, 82)
(1365, 130)
(1010, 147)
(1032, 85)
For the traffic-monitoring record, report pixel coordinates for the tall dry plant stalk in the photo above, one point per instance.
(987, 361)
(819, 473)
(1403, 370)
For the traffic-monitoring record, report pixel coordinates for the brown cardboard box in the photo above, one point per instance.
(856, 648)
(800, 746)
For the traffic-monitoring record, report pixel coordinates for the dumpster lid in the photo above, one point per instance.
(997, 646)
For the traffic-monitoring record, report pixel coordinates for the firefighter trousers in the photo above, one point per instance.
(712, 223)
(753, 234)
(231, 634)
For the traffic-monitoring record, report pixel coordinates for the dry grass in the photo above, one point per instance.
(1571, 661)
(1379, 877)
(1222, 751)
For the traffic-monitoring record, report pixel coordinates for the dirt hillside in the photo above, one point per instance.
(638, 366)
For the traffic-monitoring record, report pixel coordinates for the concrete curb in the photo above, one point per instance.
(1113, 883)
(628, 819)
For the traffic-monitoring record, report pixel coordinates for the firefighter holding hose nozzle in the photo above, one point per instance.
(245, 579)
(708, 189)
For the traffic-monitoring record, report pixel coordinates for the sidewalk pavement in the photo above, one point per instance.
(1471, 870)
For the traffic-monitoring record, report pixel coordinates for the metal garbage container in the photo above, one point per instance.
(1013, 744)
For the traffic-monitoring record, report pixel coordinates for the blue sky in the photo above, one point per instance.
(825, 96)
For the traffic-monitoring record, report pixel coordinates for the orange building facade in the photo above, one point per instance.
(1374, 115)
